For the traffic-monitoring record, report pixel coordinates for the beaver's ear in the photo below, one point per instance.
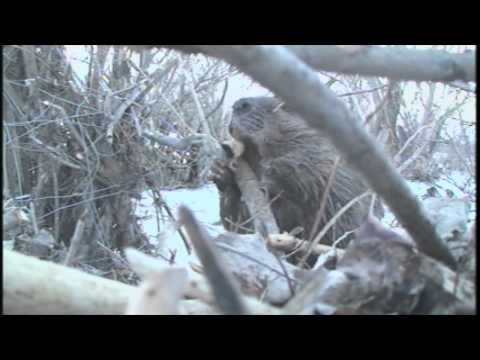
(283, 106)
(279, 104)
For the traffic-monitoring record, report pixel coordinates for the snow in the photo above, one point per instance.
(458, 182)
(204, 202)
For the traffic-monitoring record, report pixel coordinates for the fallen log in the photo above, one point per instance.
(37, 287)
(33, 286)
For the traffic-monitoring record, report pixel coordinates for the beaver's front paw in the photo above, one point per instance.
(222, 175)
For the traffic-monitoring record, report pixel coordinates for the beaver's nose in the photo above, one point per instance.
(242, 107)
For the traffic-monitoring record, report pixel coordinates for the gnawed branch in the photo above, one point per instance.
(257, 203)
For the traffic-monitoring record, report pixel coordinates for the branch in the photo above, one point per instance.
(273, 67)
(220, 102)
(224, 287)
(397, 63)
(75, 250)
(288, 243)
(140, 92)
(31, 71)
(201, 113)
(257, 203)
(462, 86)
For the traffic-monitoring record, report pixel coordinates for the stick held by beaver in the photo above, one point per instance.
(292, 163)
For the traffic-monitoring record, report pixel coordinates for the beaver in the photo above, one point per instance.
(292, 162)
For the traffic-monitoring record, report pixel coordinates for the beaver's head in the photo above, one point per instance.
(267, 126)
(252, 117)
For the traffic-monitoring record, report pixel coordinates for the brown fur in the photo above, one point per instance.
(291, 161)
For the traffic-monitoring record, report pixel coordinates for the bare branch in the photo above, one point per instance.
(226, 292)
(397, 63)
(359, 92)
(75, 243)
(463, 86)
(220, 102)
(407, 143)
(201, 113)
(31, 70)
(140, 92)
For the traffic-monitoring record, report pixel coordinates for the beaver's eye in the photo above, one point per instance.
(242, 106)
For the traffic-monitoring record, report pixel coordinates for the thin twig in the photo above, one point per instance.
(222, 99)
(332, 221)
(285, 272)
(412, 158)
(410, 139)
(380, 105)
(34, 218)
(363, 91)
(56, 204)
(170, 214)
(325, 195)
(76, 241)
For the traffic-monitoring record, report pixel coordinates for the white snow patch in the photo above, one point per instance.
(204, 202)
(458, 182)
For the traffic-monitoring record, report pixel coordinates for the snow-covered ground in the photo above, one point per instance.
(457, 182)
(204, 202)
